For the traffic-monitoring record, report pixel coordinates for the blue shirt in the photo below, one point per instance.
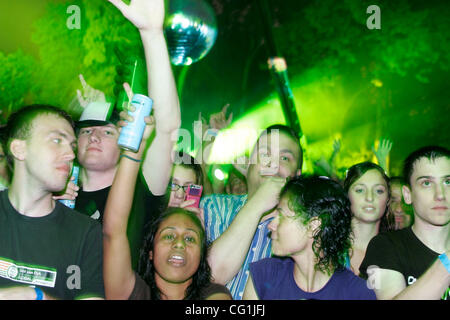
(273, 279)
(219, 212)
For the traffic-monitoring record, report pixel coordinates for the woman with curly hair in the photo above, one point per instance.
(312, 233)
(367, 187)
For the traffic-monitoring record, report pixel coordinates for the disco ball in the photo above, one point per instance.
(191, 30)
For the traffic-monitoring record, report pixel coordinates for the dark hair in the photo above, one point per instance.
(320, 197)
(357, 171)
(429, 152)
(389, 219)
(146, 269)
(189, 162)
(397, 180)
(236, 173)
(290, 133)
(20, 123)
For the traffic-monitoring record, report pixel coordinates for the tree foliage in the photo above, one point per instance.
(91, 50)
(334, 34)
(15, 81)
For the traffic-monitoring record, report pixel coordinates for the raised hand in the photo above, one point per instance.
(383, 150)
(89, 94)
(336, 146)
(125, 116)
(199, 212)
(218, 120)
(204, 123)
(70, 193)
(268, 193)
(382, 153)
(148, 17)
(324, 165)
(144, 14)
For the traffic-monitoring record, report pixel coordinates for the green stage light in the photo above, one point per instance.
(219, 174)
(240, 138)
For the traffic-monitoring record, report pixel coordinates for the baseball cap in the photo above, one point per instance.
(98, 114)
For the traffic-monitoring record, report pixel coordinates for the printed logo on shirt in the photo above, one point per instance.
(96, 215)
(411, 280)
(29, 274)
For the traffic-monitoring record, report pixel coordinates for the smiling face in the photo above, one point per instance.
(176, 249)
(275, 155)
(369, 196)
(429, 191)
(97, 147)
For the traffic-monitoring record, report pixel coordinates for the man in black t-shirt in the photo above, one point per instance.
(46, 250)
(98, 155)
(413, 263)
(98, 152)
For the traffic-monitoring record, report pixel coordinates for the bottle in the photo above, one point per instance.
(75, 173)
(131, 135)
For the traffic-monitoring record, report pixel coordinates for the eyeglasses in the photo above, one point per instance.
(176, 187)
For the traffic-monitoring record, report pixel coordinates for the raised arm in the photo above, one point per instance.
(390, 284)
(382, 153)
(118, 274)
(328, 166)
(148, 17)
(217, 122)
(228, 252)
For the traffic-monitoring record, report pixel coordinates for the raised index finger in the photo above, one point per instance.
(224, 109)
(128, 90)
(83, 82)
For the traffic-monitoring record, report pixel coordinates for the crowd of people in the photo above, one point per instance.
(270, 232)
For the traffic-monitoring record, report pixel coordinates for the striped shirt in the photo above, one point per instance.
(219, 212)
